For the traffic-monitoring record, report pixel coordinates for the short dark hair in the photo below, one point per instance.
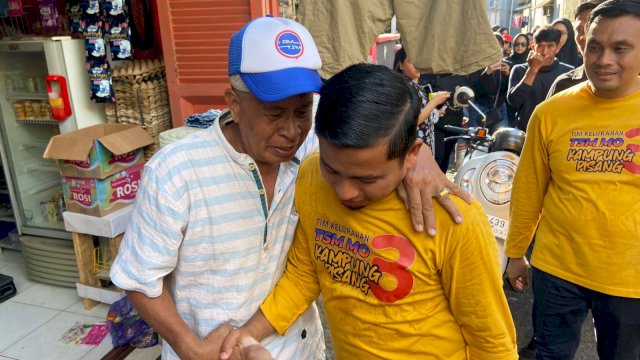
(401, 56)
(499, 38)
(547, 33)
(586, 6)
(614, 9)
(365, 104)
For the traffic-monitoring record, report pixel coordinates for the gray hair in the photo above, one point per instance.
(238, 84)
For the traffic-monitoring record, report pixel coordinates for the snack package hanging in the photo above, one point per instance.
(100, 81)
(114, 7)
(74, 12)
(93, 41)
(48, 14)
(90, 7)
(119, 35)
(14, 8)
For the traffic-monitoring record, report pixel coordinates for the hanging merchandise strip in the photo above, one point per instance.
(100, 22)
(117, 29)
(96, 53)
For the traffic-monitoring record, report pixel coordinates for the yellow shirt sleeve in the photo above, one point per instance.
(529, 188)
(473, 285)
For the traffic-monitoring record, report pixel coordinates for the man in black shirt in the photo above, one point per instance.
(529, 83)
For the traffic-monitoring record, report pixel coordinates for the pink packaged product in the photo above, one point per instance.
(99, 197)
(48, 14)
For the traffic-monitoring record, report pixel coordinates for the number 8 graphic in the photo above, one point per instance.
(397, 269)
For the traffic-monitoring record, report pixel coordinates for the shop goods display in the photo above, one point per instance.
(141, 98)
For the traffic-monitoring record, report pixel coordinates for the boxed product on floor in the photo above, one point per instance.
(98, 151)
(99, 197)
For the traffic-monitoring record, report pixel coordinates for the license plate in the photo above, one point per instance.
(499, 226)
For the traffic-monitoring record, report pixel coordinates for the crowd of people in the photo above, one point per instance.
(509, 90)
(237, 230)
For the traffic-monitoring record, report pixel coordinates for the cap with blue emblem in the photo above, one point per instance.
(276, 58)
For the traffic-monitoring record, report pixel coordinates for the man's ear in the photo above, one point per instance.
(411, 159)
(233, 103)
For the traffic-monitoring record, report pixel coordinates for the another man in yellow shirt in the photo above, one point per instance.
(578, 181)
(389, 292)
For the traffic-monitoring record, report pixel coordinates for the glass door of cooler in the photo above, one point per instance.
(27, 126)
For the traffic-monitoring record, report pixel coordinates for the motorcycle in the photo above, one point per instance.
(488, 166)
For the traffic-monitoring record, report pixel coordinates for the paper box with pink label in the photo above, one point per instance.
(99, 197)
(98, 151)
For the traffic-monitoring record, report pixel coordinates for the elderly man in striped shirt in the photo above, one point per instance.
(214, 216)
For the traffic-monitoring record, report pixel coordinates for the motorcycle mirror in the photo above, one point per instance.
(462, 96)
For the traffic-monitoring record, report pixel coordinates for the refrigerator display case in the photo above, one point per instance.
(27, 124)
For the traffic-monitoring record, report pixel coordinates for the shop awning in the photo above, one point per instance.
(543, 3)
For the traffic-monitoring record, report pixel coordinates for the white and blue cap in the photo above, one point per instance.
(276, 58)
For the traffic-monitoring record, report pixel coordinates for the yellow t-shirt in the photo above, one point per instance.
(579, 177)
(389, 292)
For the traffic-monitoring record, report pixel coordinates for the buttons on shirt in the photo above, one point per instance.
(261, 191)
(252, 167)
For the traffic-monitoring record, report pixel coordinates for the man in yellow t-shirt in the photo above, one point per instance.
(578, 181)
(389, 292)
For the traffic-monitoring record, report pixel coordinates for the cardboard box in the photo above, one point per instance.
(98, 151)
(99, 197)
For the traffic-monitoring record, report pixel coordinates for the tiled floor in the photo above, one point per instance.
(32, 322)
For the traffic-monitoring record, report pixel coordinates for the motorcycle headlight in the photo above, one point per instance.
(496, 181)
(465, 181)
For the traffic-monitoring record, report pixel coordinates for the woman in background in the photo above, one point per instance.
(430, 113)
(568, 52)
(520, 50)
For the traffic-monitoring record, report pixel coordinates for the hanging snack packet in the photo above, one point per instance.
(101, 89)
(75, 16)
(14, 8)
(94, 47)
(90, 7)
(93, 41)
(114, 7)
(48, 14)
(97, 66)
(119, 35)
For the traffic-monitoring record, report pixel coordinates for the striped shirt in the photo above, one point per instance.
(201, 219)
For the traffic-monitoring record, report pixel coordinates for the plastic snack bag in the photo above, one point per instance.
(127, 327)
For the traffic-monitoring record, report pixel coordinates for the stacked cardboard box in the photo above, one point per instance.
(101, 166)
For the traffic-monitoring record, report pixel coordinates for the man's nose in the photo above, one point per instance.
(289, 127)
(346, 190)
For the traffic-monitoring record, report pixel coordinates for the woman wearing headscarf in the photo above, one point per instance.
(520, 50)
(568, 52)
